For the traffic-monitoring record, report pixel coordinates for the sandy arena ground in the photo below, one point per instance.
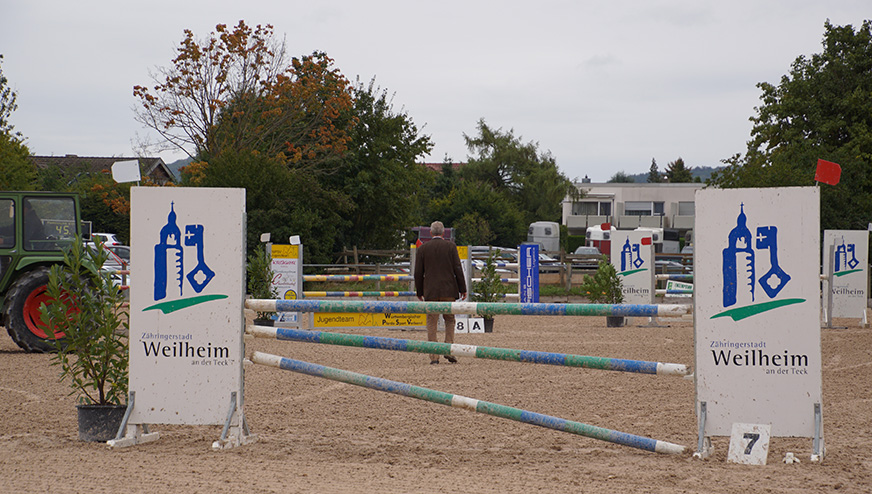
(317, 435)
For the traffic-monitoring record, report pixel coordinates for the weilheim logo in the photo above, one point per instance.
(631, 261)
(846, 259)
(169, 247)
(739, 272)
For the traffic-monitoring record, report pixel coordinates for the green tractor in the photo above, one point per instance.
(35, 227)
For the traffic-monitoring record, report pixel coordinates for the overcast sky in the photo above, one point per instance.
(603, 86)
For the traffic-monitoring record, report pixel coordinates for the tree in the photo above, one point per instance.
(7, 102)
(184, 107)
(677, 173)
(482, 204)
(621, 178)
(654, 175)
(17, 172)
(529, 179)
(821, 110)
(380, 174)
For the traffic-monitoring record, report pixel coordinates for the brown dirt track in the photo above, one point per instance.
(321, 436)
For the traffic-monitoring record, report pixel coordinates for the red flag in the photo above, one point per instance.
(646, 240)
(606, 226)
(828, 172)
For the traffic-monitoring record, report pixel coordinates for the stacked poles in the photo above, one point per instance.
(472, 308)
(357, 277)
(436, 348)
(316, 294)
(472, 404)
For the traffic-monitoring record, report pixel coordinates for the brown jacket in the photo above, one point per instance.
(438, 273)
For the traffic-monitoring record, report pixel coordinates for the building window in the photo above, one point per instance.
(686, 208)
(592, 208)
(643, 208)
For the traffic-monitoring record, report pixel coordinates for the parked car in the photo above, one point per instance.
(589, 257)
(662, 266)
(107, 238)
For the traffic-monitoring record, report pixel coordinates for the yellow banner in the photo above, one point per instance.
(285, 251)
(358, 320)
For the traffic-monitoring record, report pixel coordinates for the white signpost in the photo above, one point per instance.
(186, 317)
(756, 311)
(846, 267)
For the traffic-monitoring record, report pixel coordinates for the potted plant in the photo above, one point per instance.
(605, 287)
(84, 307)
(490, 288)
(260, 276)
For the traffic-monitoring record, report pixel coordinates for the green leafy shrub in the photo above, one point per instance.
(89, 310)
(605, 286)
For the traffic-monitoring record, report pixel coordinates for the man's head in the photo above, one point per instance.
(437, 228)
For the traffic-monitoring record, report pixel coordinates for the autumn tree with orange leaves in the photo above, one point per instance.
(235, 91)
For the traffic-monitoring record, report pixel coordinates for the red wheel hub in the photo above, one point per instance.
(32, 316)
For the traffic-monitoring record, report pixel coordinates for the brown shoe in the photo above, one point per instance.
(450, 359)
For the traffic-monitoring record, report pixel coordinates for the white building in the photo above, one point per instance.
(630, 205)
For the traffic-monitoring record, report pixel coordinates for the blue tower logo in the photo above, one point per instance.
(631, 261)
(846, 259)
(740, 266)
(169, 255)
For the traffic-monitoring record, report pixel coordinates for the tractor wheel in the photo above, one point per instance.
(23, 319)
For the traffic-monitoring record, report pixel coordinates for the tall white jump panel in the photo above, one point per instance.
(756, 310)
(186, 317)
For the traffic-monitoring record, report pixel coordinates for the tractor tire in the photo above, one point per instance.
(22, 316)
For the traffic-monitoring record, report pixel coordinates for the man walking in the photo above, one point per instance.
(439, 278)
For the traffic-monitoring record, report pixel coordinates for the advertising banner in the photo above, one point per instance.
(847, 251)
(529, 273)
(186, 319)
(757, 308)
(632, 255)
(287, 265)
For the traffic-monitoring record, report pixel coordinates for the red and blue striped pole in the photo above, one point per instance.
(472, 404)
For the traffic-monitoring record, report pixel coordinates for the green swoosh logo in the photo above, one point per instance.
(174, 305)
(740, 313)
(842, 273)
(628, 273)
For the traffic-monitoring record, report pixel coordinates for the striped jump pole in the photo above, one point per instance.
(688, 278)
(357, 277)
(675, 291)
(436, 348)
(472, 308)
(472, 404)
(316, 294)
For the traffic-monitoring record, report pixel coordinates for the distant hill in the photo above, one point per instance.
(175, 166)
(703, 172)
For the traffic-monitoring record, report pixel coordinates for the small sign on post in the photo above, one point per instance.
(126, 171)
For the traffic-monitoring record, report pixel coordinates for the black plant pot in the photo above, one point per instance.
(99, 423)
(488, 325)
(614, 321)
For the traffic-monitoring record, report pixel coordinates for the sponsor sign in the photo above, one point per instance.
(757, 308)
(361, 320)
(847, 251)
(529, 273)
(632, 254)
(186, 319)
(287, 262)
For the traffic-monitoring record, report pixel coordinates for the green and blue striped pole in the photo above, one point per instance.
(453, 349)
(472, 404)
(472, 308)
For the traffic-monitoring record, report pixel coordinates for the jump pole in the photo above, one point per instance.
(472, 404)
(472, 308)
(436, 348)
